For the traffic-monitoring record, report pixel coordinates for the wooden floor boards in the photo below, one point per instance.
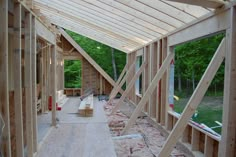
(79, 136)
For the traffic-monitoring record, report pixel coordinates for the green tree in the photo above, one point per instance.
(101, 53)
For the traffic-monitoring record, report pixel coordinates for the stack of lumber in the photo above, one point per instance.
(86, 106)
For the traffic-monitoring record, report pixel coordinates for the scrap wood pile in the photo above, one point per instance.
(142, 140)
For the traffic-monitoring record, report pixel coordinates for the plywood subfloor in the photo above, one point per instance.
(79, 136)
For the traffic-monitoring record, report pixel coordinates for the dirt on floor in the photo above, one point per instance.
(142, 140)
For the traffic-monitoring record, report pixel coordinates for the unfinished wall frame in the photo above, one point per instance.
(164, 115)
(4, 92)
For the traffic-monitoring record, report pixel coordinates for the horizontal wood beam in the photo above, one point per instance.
(44, 33)
(218, 22)
(195, 100)
(148, 92)
(203, 3)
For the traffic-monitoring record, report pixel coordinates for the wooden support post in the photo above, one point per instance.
(195, 139)
(194, 101)
(148, 92)
(119, 79)
(53, 85)
(227, 143)
(153, 73)
(48, 78)
(158, 107)
(129, 87)
(164, 85)
(28, 84)
(150, 62)
(34, 87)
(167, 85)
(146, 75)
(18, 81)
(4, 92)
(100, 84)
(118, 88)
(43, 87)
(209, 145)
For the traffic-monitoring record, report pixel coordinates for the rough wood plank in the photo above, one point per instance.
(208, 150)
(117, 88)
(148, 92)
(130, 85)
(195, 139)
(28, 83)
(34, 87)
(164, 85)
(158, 110)
(203, 3)
(4, 92)
(44, 33)
(194, 100)
(53, 84)
(227, 144)
(120, 78)
(18, 81)
(212, 24)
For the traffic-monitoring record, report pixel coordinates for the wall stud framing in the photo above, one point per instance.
(4, 92)
(28, 83)
(194, 100)
(148, 92)
(18, 81)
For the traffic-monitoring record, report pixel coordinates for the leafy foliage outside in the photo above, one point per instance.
(191, 62)
(101, 53)
(72, 71)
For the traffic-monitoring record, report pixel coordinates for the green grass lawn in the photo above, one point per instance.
(209, 111)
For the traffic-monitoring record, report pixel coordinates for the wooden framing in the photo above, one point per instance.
(215, 22)
(128, 26)
(131, 24)
(130, 85)
(28, 83)
(34, 87)
(148, 92)
(44, 33)
(4, 92)
(164, 85)
(119, 87)
(53, 84)
(88, 58)
(227, 145)
(194, 100)
(203, 3)
(18, 82)
(119, 79)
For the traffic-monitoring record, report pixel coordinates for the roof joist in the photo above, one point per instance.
(203, 3)
(123, 24)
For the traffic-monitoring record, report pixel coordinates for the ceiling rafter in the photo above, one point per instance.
(123, 24)
(57, 10)
(108, 14)
(203, 3)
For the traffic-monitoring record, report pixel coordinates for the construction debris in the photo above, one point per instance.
(143, 139)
